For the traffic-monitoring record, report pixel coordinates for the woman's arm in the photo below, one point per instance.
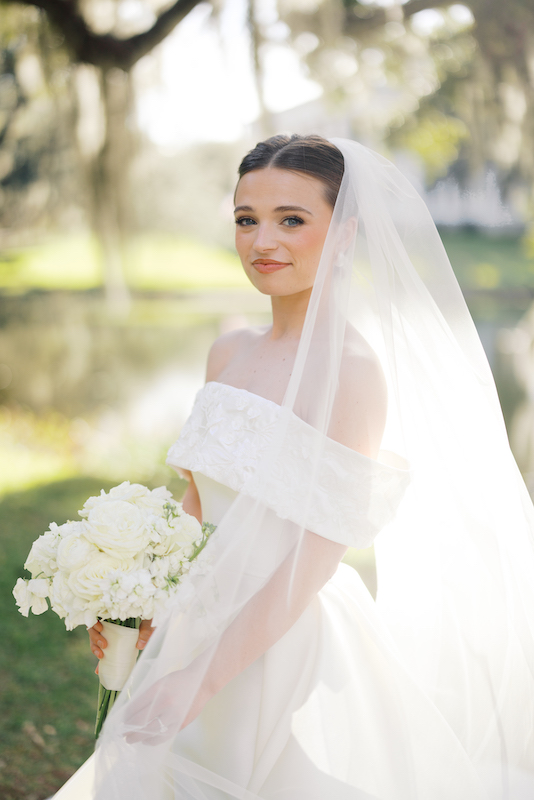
(191, 498)
(261, 623)
(274, 609)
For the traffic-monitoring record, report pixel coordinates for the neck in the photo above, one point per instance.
(289, 314)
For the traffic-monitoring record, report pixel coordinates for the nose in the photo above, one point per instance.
(265, 239)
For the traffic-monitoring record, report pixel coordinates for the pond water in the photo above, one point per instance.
(80, 393)
(126, 387)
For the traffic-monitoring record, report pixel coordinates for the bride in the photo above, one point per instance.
(365, 413)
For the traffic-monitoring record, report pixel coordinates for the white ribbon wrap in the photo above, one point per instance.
(119, 656)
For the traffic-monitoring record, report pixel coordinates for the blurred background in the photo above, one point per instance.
(122, 123)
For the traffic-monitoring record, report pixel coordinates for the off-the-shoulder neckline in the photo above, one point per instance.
(355, 453)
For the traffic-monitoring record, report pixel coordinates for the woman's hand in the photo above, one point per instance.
(98, 642)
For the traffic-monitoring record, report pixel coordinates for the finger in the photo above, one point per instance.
(97, 640)
(145, 632)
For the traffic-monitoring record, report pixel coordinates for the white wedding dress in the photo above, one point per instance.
(329, 712)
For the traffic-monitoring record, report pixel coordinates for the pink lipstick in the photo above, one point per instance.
(266, 266)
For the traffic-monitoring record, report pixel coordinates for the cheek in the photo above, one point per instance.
(241, 243)
(310, 246)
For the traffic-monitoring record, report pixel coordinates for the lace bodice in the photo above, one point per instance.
(231, 435)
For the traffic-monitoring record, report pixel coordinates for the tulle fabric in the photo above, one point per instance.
(447, 651)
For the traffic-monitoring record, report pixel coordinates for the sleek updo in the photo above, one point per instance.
(312, 155)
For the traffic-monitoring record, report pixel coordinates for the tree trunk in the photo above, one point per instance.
(105, 140)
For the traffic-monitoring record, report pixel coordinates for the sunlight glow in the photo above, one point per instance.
(206, 89)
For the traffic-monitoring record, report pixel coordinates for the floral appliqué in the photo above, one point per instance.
(255, 446)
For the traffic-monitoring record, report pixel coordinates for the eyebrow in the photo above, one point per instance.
(278, 209)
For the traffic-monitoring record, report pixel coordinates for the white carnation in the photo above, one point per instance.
(117, 528)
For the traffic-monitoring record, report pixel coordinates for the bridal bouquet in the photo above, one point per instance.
(120, 563)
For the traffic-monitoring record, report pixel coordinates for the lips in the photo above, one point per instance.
(266, 267)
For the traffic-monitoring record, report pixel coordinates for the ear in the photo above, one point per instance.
(349, 232)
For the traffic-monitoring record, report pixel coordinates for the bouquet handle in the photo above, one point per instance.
(119, 659)
(119, 656)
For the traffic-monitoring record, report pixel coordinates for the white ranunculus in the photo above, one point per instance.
(88, 581)
(74, 551)
(117, 528)
(31, 595)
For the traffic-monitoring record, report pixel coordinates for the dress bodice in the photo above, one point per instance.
(215, 497)
(254, 446)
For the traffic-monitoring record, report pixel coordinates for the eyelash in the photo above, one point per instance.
(242, 220)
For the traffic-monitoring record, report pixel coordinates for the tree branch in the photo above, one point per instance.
(361, 19)
(104, 50)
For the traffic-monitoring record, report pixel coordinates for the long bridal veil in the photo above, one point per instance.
(451, 636)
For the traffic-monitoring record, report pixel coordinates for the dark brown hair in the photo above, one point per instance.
(311, 155)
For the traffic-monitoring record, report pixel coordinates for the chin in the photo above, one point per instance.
(274, 286)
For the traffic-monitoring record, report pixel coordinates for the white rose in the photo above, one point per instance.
(88, 581)
(130, 492)
(156, 500)
(74, 551)
(31, 594)
(62, 599)
(163, 493)
(67, 529)
(91, 502)
(117, 528)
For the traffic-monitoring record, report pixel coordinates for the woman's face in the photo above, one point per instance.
(282, 219)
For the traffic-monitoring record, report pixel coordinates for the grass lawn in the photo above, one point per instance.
(487, 262)
(49, 689)
(154, 261)
(159, 261)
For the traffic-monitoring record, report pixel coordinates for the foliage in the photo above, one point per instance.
(39, 177)
(470, 62)
(488, 262)
(435, 138)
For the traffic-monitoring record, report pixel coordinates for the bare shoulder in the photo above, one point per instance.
(360, 410)
(361, 371)
(227, 347)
